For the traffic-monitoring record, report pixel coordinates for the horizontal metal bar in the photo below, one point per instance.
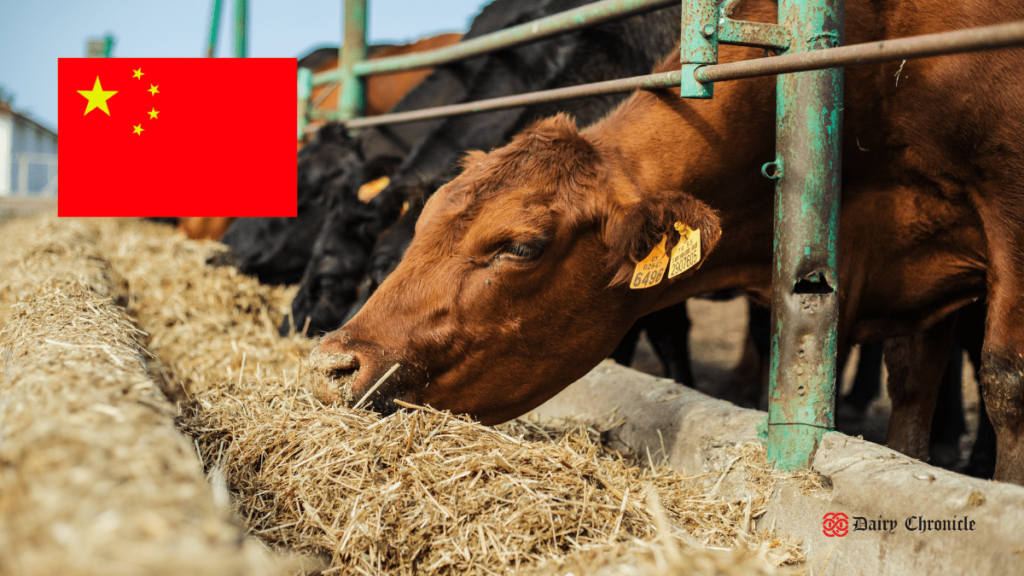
(326, 77)
(755, 34)
(568, 21)
(971, 40)
(987, 38)
(649, 82)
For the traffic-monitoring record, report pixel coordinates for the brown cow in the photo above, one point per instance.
(382, 92)
(515, 283)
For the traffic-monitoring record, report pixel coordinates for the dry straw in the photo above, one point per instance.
(94, 478)
(418, 492)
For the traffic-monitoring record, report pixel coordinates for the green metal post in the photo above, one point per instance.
(698, 45)
(352, 96)
(211, 48)
(240, 28)
(805, 277)
(108, 45)
(305, 77)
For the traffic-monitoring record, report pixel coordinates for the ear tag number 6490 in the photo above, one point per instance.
(651, 270)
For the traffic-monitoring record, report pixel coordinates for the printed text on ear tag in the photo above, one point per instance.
(651, 269)
(687, 250)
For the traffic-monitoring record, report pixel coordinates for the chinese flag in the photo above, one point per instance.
(177, 136)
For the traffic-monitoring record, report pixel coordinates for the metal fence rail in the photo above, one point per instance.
(351, 69)
(987, 38)
(809, 37)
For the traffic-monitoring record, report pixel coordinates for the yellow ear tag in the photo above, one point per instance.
(369, 190)
(687, 250)
(651, 269)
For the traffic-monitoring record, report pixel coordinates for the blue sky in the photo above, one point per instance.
(34, 33)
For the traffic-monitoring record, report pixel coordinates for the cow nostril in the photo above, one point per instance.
(334, 375)
(340, 382)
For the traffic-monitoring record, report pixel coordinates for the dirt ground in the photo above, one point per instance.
(716, 345)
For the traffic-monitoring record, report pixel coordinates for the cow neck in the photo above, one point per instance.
(712, 150)
(702, 147)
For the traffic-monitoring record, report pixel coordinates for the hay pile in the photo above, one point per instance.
(419, 491)
(94, 478)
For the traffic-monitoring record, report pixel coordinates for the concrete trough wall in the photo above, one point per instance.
(868, 481)
(94, 476)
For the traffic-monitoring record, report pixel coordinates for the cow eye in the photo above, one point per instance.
(523, 251)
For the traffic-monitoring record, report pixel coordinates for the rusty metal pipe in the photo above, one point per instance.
(650, 82)
(561, 23)
(805, 271)
(972, 40)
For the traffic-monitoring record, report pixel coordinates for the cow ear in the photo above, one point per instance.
(471, 158)
(633, 234)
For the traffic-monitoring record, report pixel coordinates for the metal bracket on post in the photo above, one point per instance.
(698, 46)
(305, 77)
(704, 27)
(805, 276)
(352, 95)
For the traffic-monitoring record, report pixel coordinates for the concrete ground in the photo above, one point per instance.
(889, 503)
(868, 483)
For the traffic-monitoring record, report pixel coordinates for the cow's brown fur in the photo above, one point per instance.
(932, 216)
(205, 228)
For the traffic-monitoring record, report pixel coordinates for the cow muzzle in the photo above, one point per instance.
(358, 375)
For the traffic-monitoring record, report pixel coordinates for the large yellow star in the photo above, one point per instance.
(138, 129)
(138, 73)
(153, 89)
(152, 113)
(97, 97)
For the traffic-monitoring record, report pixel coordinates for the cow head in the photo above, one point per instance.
(516, 282)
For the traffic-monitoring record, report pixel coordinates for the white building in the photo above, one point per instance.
(28, 156)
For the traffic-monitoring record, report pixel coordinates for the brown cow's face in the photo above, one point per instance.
(514, 285)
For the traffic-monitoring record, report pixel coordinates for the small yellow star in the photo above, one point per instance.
(152, 113)
(137, 73)
(138, 129)
(97, 97)
(153, 89)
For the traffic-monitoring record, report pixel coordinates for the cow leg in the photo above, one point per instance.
(868, 380)
(949, 425)
(970, 335)
(916, 364)
(1002, 381)
(669, 333)
(751, 375)
(982, 463)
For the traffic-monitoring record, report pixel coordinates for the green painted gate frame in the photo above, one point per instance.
(807, 169)
(241, 44)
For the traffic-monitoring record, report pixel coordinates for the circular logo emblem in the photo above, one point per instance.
(835, 524)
